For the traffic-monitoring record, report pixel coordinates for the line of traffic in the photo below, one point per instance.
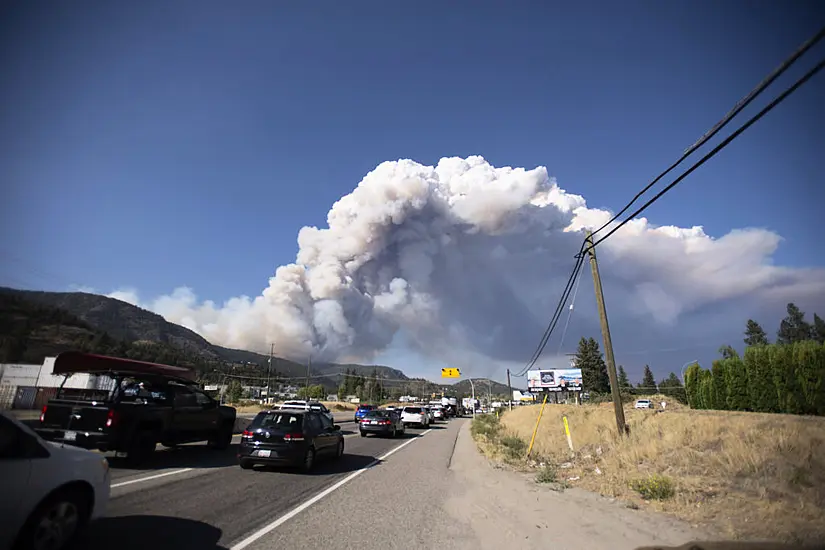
(329, 490)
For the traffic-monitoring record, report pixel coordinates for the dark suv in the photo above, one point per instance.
(290, 437)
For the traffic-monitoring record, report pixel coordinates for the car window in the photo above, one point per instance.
(184, 397)
(326, 423)
(377, 414)
(202, 399)
(313, 422)
(277, 420)
(414, 410)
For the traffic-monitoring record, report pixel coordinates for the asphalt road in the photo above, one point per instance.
(196, 498)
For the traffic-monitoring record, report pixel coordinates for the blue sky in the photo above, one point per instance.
(154, 144)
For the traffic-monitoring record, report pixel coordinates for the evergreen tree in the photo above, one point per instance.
(793, 328)
(737, 384)
(790, 394)
(648, 383)
(727, 352)
(761, 385)
(719, 393)
(755, 335)
(692, 375)
(809, 359)
(624, 382)
(672, 387)
(234, 391)
(594, 370)
(818, 329)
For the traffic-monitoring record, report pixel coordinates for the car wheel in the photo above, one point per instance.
(309, 460)
(340, 452)
(55, 522)
(246, 464)
(141, 448)
(363, 433)
(222, 439)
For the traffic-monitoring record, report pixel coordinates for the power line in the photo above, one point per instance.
(569, 313)
(737, 108)
(556, 315)
(740, 105)
(768, 108)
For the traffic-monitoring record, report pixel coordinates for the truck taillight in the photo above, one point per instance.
(43, 413)
(111, 419)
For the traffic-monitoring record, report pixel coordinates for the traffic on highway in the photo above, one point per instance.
(157, 455)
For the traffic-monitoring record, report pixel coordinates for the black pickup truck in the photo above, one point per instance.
(145, 404)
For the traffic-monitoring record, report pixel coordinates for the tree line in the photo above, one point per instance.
(365, 388)
(787, 376)
(595, 379)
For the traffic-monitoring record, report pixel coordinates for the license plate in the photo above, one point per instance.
(70, 436)
(264, 453)
(374, 422)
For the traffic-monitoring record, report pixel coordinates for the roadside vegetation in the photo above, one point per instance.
(748, 475)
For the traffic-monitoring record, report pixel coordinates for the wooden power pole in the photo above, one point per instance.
(608, 343)
(309, 365)
(269, 373)
(510, 389)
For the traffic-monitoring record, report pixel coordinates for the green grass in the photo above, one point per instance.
(654, 487)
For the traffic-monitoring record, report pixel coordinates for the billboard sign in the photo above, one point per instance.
(554, 380)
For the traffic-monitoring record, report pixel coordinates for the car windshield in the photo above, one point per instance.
(414, 410)
(278, 420)
(365, 407)
(377, 414)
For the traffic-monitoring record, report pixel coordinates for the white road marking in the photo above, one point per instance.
(301, 507)
(150, 478)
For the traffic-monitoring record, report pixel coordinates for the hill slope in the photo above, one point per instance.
(482, 385)
(125, 322)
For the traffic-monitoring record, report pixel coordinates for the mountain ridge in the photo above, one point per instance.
(92, 317)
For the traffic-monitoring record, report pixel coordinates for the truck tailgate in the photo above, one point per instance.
(80, 416)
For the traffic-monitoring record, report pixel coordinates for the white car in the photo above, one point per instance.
(643, 404)
(415, 415)
(302, 405)
(50, 490)
(438, 412)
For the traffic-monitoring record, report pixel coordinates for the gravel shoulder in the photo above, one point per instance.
(503, 507)
(440, 492)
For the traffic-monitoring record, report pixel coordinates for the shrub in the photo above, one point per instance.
(513, 446)
(485, 425)
(547, 474)
(654, 487)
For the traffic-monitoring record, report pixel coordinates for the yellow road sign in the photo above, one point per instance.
(450, 373)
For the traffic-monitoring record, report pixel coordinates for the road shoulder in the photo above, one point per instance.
(504, 507)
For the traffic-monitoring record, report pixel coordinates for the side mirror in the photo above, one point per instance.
(336, 428)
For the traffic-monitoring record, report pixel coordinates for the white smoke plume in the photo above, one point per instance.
(468, 261)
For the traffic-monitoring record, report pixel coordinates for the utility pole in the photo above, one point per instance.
(269, 372)
(608, 343)
(510, 389)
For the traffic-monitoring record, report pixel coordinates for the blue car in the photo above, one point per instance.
(362, 410)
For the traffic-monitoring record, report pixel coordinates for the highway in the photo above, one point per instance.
(193, 497)
(429, 489)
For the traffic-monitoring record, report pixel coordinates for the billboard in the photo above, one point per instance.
(554, 380)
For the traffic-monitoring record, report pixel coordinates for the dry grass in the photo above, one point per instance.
(750, 475)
